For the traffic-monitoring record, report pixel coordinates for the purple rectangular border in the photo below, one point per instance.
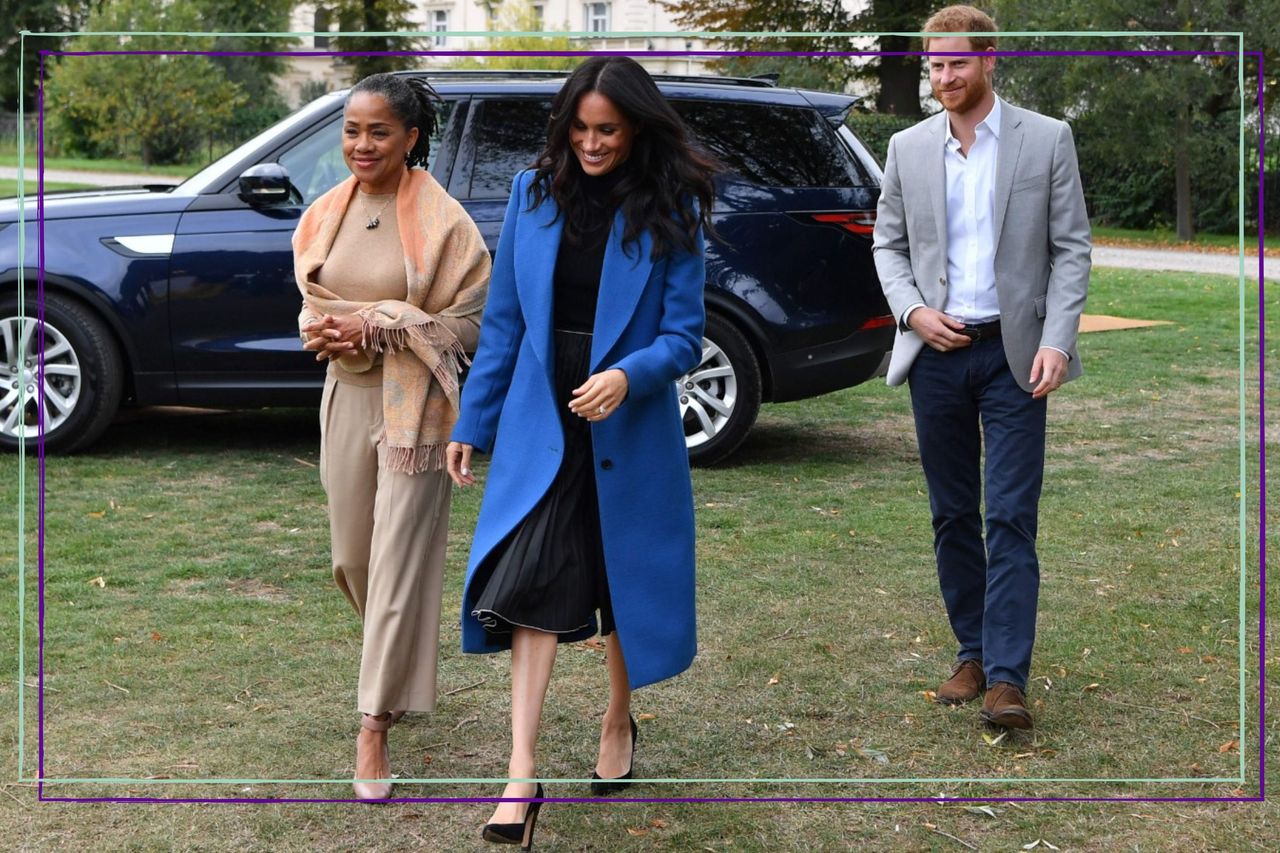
(1262, 761)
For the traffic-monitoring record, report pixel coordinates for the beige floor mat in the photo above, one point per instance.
(1105, 323)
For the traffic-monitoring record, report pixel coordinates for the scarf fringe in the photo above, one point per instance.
(414, 460)
(452, 356)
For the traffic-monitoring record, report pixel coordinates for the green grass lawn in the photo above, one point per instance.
(193, 632)
(1162, 237)
(9, 189)
(9, 157)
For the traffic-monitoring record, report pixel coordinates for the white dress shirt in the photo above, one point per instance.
(971, 250)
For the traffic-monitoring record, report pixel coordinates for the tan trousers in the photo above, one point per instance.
(388, 534)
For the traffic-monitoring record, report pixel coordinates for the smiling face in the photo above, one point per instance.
(600, 135)
(375, 142)
(962, 84)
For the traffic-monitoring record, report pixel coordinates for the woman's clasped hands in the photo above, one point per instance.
(334, 335)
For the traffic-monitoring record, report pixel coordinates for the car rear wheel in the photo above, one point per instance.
(79, 392)
(720, 398)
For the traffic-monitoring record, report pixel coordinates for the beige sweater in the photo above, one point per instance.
(422, 335)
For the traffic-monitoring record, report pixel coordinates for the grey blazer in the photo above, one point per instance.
(1041, 232)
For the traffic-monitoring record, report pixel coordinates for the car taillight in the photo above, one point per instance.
(855, 221)
(877, 322)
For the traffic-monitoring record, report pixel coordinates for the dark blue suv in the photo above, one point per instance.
(185, 295)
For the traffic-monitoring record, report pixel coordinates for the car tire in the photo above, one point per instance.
(720, 398)
(83, 379)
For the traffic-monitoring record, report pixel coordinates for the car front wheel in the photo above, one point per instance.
(76, 396)
(720, 398)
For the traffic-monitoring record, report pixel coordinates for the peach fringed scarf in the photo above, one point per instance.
(447, 267)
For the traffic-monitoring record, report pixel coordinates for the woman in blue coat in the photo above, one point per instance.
(595, 308)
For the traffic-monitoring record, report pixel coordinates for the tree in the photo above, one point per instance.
(773, 16)
(513, 16)
(255, 75)
(36, 16)
(896, 79)
(159, 108)
(373, 16)
(1156, 133)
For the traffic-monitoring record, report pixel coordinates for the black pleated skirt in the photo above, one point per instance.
(548, 573)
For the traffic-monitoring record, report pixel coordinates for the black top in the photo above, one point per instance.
(579, 261)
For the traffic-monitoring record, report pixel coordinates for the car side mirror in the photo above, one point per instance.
(265, 184)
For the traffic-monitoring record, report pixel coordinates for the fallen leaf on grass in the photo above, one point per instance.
(1024, 755)
(155, 637)
(426, 759)
(774, 679)
(638, 832)
(1229, 746)
(1185, 650)
(646, 716)
(929, 695)
(102, 514)
(983, 810)
(100, 582)
(995, 741)
(1089, 688)
(874, 754)
(304, 462)
(658, 823)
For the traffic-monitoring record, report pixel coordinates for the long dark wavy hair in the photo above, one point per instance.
(413, 101)
(665, 173)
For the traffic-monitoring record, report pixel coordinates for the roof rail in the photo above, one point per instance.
(483, 73)
(758, 81)
(761, 81)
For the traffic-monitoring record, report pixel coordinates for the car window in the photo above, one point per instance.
(315, 163)
(509, 137)
(771, 145)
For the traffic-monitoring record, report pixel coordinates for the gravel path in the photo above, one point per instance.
(1170, 259)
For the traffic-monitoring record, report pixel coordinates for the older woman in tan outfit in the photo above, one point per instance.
(393, 275)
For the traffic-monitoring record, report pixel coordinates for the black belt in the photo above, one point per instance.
(981, 331)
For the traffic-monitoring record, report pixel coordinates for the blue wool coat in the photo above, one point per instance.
(649, 321)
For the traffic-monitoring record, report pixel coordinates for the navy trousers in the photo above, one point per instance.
(961, 399)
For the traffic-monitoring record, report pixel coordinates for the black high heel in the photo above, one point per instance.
(516, 833)
(601, 787)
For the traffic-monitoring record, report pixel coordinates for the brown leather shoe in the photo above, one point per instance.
(1005, 706)
(966, 683)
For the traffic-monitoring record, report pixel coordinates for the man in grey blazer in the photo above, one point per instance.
(982, 246)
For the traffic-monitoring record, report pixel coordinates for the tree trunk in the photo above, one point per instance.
(1182, 176)
(899, 78)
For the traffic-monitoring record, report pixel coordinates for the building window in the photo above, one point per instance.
(320, 24)
(596, 17)
(439, 24)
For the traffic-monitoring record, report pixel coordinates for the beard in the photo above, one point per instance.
(963, 99)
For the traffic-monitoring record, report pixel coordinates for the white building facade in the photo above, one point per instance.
(614, 20)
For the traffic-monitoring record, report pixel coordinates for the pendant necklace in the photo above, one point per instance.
(376, 219)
